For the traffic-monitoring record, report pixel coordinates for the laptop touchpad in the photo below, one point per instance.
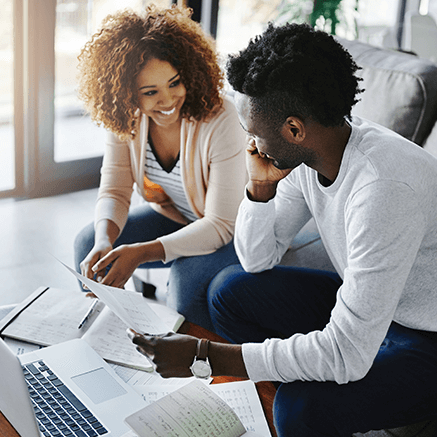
(99, 385)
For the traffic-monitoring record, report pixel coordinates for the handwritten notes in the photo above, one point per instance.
(108, 338)
(241, 396)
(129, 307)
(54, 316)
(191, 411)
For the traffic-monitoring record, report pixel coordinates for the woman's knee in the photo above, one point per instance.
(181, 280)
(84, 242)
(184, 287)
(198, 272)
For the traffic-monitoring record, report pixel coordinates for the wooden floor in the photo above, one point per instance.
(31, 233)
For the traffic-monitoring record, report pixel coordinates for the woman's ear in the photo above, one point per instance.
(293, 130)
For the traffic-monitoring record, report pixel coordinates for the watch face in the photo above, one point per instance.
(201, 369)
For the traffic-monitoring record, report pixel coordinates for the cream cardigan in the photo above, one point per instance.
(213, 174)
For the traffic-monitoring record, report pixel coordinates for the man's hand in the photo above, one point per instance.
(173, 355)
(260, 167)
(263, 175)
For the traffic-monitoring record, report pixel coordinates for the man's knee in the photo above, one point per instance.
(304, 408)
(223, 287)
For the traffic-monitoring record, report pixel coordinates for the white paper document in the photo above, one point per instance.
(241, 396)
(21, 347)
(191, 411)
(53, 316)
(138, 379)
(123, 303)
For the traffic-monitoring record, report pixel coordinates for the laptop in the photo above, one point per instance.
(65, 390)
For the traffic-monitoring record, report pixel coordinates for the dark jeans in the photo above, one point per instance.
(400, 388)
(189, 276)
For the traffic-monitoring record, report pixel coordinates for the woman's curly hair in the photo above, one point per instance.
(111, 61)
(294, 70)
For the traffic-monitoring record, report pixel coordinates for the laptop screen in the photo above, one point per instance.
(14, 398)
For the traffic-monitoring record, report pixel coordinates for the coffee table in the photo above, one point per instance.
(266, 390)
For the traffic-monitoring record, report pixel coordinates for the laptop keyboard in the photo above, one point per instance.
(58, 411)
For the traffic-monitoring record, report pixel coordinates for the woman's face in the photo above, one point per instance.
(161, 92)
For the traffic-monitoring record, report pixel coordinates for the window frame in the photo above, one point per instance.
(37, 173)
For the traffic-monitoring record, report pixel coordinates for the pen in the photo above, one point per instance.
(88, 314)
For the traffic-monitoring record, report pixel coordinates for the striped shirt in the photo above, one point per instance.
(170, 181)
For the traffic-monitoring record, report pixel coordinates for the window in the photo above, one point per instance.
(238, 21)
(7, 158)
(242, 20)
(76, 137)
(377, 22)
(48, 144)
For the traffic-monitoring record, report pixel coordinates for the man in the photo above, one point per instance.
(357, 349)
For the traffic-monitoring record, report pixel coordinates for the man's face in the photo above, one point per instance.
(268, 139)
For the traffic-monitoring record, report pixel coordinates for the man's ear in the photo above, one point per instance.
(293, 130)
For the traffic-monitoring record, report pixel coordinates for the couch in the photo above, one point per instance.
(401, 94)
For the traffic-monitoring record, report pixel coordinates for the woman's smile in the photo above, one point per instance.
(168, 112)
(161, 92)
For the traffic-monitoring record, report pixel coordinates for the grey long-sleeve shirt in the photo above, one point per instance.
(378, 222)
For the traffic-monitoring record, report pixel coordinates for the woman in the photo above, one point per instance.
(154, 83)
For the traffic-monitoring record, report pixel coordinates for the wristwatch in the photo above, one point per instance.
(201, 367)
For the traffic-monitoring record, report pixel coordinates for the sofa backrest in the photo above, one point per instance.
(400, 90)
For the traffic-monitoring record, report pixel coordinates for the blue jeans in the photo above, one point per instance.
(189, 276)
(400, 388)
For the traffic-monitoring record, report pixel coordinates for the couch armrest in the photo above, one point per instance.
(400, 89)
(430, 143)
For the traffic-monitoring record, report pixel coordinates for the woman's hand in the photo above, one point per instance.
(105, 235)
(125, 259)
(98, 252)
(171, 353)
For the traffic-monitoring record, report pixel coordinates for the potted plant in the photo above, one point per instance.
(332, 16)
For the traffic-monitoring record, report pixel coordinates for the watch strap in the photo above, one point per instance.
(202, 349)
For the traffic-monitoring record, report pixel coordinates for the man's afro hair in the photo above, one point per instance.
(294, 70)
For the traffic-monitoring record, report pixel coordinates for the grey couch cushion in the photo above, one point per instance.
(400, 89)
